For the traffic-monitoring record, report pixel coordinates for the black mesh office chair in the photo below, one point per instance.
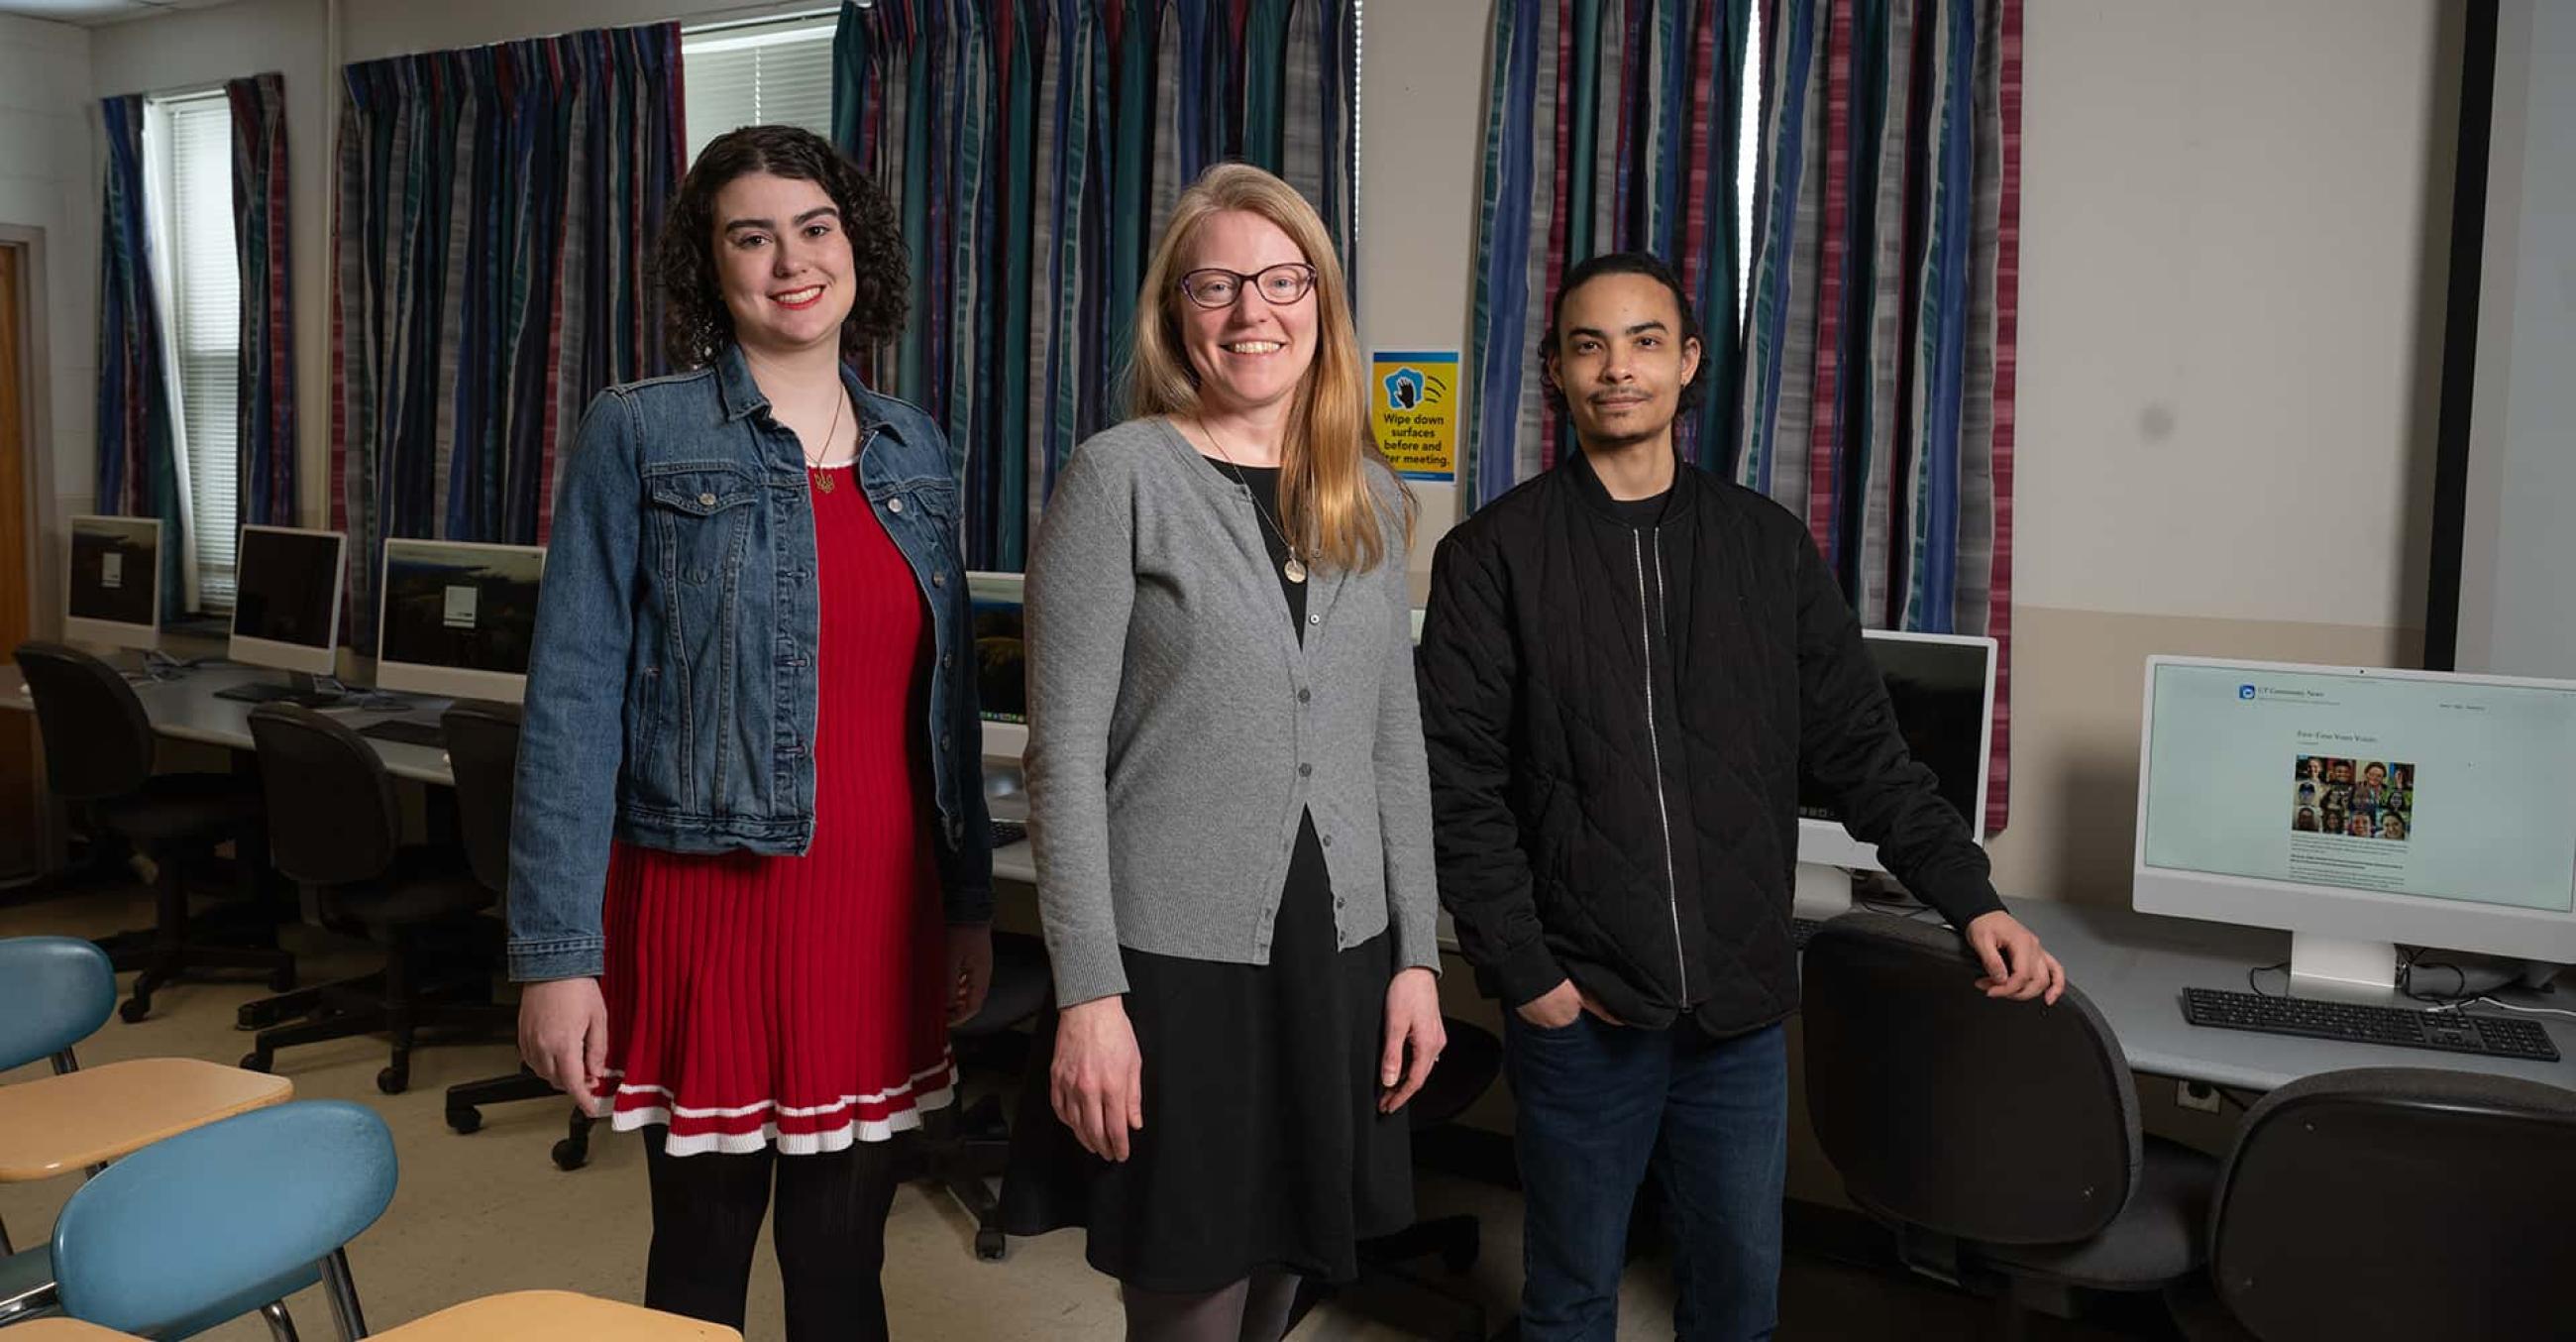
(483, 754)
(971, 1143)
(1999, 1139)
(98, 757)
(333, 829)
(2393, 1202)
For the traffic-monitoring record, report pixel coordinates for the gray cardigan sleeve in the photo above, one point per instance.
(1403, 773)
(1080, 590)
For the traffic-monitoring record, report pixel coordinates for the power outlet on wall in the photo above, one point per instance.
(2195, 1095)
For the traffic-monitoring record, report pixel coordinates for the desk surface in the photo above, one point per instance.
(2134, 967)
(58, 1124)
(185, 709)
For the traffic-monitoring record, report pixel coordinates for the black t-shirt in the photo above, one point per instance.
(1642, 513)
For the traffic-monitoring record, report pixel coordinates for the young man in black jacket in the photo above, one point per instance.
(1626, 666)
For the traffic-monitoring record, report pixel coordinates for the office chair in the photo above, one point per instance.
(227, 1219)
(483, 754)
(1468, 1067)
(2393, 1202)
(55, 992)
(98, 758)
(1999, 1139)
(971, 1143)
(333, 829)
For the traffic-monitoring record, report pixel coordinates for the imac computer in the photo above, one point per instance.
(457, 619)
(112, 589)
(286, 609)
(2358, 810)
(1941, 688)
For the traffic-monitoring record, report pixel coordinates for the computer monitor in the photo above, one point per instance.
(286, 599)
(457, 619)
(112, 590)
(2360, 808)
(1001, 662)
(1941, 688)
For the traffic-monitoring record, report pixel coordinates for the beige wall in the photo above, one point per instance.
(2234, 227)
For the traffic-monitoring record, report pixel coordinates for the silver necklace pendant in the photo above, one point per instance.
(1295, 568)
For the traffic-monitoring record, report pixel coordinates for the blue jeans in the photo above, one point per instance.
(1594, 1103)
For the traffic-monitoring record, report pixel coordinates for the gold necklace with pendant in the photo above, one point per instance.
(1295, 568)
(814, 469)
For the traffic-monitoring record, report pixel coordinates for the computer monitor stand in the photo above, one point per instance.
(2342, 969)
(1823, 892)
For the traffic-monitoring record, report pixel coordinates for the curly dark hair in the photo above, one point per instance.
(1622, 263)
(695, 322)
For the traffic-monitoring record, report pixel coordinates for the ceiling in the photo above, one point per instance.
(92, 13)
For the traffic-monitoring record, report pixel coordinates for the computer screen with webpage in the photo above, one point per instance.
(2438, 787)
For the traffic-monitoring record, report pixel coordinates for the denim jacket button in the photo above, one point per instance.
(894, 505)
(939, 580)
(706, 500)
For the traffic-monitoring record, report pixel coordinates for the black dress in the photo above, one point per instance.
(1262, 1149)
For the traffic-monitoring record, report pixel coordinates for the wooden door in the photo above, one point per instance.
(20, 846)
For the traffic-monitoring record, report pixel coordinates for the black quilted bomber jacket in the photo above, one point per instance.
(1617, 717)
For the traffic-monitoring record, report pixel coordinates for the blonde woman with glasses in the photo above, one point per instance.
(1228, 796)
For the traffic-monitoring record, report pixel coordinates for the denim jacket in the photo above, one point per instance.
(672, 689)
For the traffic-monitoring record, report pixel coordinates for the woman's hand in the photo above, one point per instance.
(970, 969)
(1412, 1019)
(563, 1036)
(1098, 1083)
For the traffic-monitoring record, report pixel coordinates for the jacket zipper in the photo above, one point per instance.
(1655, 745)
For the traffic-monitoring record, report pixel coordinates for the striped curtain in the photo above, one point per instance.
(138, 464)
(493, 242)
(1033, 149)
(1878, 370)
(260, 234)
(1610, 125)
(1870, 390)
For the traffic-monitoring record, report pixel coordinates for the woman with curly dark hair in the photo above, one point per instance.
(750, 871)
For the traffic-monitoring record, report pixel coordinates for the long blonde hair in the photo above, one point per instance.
(1324, 498)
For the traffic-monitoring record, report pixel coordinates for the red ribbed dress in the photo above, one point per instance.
(801, 1000)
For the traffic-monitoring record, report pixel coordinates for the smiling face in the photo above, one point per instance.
(1252, 352)
(1621, 358)
(783, 259)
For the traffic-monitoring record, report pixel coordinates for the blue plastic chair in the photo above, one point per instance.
(227, 1219)
(54, 993)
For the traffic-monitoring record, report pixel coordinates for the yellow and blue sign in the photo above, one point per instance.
(1415, 412)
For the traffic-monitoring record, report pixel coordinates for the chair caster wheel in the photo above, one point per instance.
(569, 1157)
(393, 1080)
(134, 1010)
(463, 1121)
(255, 1062)
(989, 1245)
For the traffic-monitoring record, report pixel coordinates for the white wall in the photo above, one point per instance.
(2223, 300)
(49, 181)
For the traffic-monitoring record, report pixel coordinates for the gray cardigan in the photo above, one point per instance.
(1178, 728)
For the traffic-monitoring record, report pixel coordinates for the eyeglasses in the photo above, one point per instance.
(1217, 287)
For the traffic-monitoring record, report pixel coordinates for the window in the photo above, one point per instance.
(188, 156)
(776, 72)
(1748, 159)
